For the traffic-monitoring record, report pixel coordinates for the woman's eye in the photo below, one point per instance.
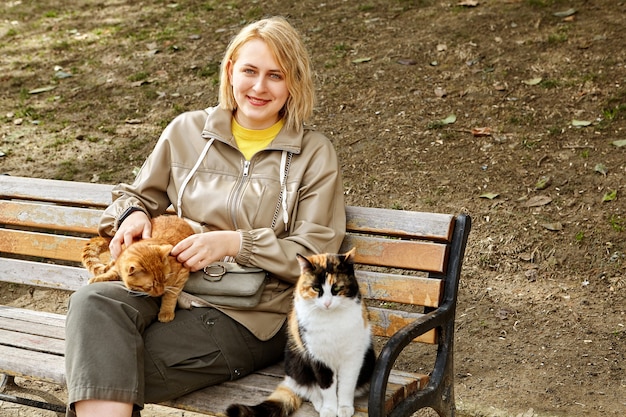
(277, 77)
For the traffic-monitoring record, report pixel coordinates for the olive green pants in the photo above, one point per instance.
(117, 350)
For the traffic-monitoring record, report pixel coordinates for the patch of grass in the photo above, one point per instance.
(558, 37)
(549, 83)
(579, 236)
(616, 223)
(138, 76)
(62, 46)
(554, 130)
(254, 13)
(67, 170)
(530, 143)
(540, 3)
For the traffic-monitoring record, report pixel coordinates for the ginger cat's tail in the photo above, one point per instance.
(281, 403)
(92, 255)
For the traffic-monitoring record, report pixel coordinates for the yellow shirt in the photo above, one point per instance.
(251, 141)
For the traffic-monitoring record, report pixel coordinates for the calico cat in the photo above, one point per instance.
(146, 266)
(329, 357)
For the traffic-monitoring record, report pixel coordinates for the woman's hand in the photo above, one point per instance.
(202, 249)
(135, 227)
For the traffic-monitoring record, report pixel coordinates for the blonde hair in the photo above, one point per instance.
(292, 57)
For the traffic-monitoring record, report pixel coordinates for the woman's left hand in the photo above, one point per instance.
(202, 249)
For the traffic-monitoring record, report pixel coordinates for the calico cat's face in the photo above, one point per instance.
(327, 280)
(144, 267)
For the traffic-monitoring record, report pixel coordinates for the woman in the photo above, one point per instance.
(258, 187)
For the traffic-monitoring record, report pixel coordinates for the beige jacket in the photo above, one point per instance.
(222, 191)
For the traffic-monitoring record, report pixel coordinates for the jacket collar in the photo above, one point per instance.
(217, 126)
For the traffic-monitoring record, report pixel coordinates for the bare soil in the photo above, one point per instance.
(538, 95)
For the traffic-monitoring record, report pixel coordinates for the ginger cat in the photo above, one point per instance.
(146, 266)
(329, 357)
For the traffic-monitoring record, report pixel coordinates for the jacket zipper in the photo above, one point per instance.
(237, 193)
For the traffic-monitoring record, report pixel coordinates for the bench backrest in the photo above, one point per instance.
(403, 258)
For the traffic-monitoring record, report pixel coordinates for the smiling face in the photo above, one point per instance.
(259, 85)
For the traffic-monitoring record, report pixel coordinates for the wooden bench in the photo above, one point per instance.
(408, 264)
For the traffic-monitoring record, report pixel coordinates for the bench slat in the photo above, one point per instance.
(20, 242)
(400, 223)
(405, 289)
(54, 218)
(44, 366)
(29, 326)
(388, 322)
(43, 275)
(55, 191)
(32, 342)
(393, 253)
(33, 316)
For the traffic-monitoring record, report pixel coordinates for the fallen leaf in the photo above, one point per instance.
(532, 81)
(449, 120)
(601, 168)
(42, 89)
(581, 123)
(553, 227)
(499, 86)
(440, 92)
(619, 143)
(565, 13)
(537, 201)
(489, 196)
(407, 61)
(468, 3)
(361, 60)
(481, 131)
(610, 196)
(543, 183)
(133, 121)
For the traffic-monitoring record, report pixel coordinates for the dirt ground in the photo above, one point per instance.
(513, 111)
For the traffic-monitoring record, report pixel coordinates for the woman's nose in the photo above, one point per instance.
(260, 84)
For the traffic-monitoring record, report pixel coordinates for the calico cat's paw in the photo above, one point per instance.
(345, 411)
(328, 412)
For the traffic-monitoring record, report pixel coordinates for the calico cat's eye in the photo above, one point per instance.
(337, 288)
(317, 288)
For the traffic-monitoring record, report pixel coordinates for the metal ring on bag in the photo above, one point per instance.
(215, 271)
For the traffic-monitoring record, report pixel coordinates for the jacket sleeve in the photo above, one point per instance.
(317, 222)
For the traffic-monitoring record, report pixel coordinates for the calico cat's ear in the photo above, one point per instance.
(349, 256)
(305, 264)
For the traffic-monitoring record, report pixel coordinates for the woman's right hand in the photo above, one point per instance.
(136, 226)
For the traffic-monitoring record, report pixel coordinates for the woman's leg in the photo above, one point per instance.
(202, 347)
(104, 344)
(117, 351)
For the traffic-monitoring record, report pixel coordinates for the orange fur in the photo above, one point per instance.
(145, 266)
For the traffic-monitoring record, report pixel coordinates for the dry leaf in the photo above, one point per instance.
(554, 227)
(440, 92)
(481, 131)
(537, 201)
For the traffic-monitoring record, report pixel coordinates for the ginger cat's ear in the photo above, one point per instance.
(165, 250)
